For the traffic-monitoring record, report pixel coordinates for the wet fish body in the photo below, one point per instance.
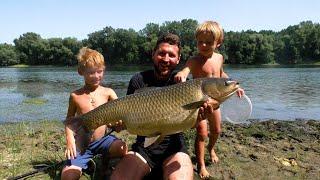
(160, 111)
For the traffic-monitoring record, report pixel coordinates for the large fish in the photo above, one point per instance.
(160, 111)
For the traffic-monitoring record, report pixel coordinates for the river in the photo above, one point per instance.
(37, 93)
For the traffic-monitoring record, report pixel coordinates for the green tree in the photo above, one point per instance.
(73, 45)
(8, 55)
(148, 37)
(32, 48)
(58, 54)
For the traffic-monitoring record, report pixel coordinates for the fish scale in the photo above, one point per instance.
(160, 111)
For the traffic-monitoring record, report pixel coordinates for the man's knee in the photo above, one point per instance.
(118, 148)
(137, 167)
(178, 166)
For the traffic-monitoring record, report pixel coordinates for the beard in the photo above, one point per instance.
(162, 74)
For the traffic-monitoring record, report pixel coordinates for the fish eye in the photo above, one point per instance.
(229, 82)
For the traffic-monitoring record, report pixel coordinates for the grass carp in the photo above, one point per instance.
(160, 111)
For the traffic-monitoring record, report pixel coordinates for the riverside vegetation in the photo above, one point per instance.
(296, 44)
(260, 150)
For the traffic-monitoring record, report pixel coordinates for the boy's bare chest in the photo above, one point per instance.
(88, 102)
(207, 69)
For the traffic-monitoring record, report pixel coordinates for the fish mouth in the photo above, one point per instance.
(226, 96)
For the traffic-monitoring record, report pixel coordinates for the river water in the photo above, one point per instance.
(37, 93)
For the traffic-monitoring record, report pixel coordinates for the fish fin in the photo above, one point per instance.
(144, 89)
(193, 105)
(152, 140)
(196, 104)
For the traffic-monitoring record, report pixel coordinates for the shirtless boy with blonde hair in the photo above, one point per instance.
(81, 145)
(208, 63)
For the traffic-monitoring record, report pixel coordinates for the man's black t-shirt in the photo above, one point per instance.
(147, 79)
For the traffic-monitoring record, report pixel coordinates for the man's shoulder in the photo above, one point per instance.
(139, 80)
(143, 73)
(140, 76)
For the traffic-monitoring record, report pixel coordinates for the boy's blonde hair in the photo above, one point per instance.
(88, 58)
(213, 28)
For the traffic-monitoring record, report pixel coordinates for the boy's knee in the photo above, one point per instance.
(202, 132)
(217, 131)
(202, 136)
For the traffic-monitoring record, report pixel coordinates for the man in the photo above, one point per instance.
(169, 159)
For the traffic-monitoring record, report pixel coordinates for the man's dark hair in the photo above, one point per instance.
(170, 38)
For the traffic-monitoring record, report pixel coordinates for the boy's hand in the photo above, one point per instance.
(180, 77)
(240, 92)
(70, 151)
(208, 107)
(118, 126)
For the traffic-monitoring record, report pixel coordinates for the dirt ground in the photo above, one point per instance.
(260, 150)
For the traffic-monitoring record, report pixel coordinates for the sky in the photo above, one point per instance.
(78, 18)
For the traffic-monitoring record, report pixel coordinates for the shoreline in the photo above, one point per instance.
(262, 149)
(147, 65)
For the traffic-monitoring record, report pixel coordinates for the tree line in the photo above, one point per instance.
(294, 45)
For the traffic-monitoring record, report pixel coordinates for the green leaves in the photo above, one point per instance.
(295, 44)
(8, 55)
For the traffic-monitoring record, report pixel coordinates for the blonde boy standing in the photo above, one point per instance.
(207, 63)
(82, 146)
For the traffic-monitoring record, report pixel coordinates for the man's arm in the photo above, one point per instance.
(134, 83)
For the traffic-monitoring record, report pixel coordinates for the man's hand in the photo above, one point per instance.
(118, 126)
(208, 107)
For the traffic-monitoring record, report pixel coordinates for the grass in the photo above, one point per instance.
(317, 63)
(20, 66)
(245, 151)
(29, 143)
(35, 101)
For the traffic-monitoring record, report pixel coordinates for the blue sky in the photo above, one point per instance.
(77, 18)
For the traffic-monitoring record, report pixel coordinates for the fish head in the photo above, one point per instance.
(219, 89)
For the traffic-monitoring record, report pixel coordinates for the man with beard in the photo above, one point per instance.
(169, 159)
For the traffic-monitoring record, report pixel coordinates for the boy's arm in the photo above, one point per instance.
(112, 95)
(222, 73)
(182, 75)
(70, 151)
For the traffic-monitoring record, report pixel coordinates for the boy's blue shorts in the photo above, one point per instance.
(100, 146)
